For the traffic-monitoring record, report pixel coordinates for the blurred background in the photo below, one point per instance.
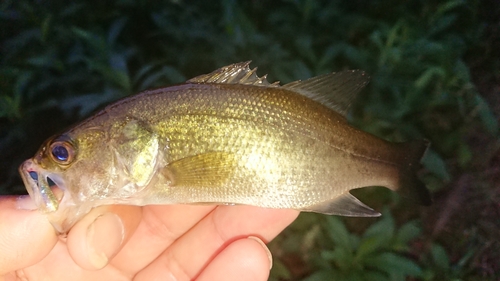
(435, 68)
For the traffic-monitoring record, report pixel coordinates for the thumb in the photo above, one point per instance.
(100, 235)
(26, 236)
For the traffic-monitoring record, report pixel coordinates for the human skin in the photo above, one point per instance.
(174, 242)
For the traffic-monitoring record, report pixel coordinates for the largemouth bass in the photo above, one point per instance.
(228, 137)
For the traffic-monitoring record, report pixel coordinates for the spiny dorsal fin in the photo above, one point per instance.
(335, 90)
(344, 205)
(238, 73)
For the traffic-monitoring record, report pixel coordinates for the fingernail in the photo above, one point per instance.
(24, 202)
(104, 237)
(269, 255)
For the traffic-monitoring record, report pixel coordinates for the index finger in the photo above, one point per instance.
(192, 252)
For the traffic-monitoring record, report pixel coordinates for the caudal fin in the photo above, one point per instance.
(409, 184)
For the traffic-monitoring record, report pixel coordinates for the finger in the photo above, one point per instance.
(231, 221)
(58, 266)
(159, 228)
(189, 254)
(25, 236)
(98, 237)
(245, 259)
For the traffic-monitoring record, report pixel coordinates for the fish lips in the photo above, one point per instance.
(45, 188)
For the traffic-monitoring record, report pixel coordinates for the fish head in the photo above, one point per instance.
(65, 174)
(89, 167)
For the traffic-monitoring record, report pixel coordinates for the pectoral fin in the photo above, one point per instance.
(344, 205)
(203, 170)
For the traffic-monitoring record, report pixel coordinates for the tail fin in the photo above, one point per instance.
(409, 184)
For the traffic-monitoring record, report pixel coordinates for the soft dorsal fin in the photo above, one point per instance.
(335, 90)
(344, 205)
(238, 73)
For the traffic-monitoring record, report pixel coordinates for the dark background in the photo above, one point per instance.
(435, 72)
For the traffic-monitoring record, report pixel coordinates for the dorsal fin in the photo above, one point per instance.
(238, 73)
(335, 90)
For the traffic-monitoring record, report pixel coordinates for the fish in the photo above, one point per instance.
(227, 137)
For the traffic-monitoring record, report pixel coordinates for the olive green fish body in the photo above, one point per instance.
(228, 137)
(271, 145)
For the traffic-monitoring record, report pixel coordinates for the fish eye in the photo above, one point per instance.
(33, 175)
(62, 152)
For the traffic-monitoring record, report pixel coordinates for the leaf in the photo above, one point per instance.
(369, 275)
(384, 227)
(440, 257)
(338, 233)
(425, 79)
(279, 270)
(301, 70)
(86, 103)
(442, 24)
(115, 76)
(353, 276)
(405, 234)
(9, 107)
(370, 245)
(328, 56)
(84, 34)
(395, 265)
(304, 45)
(464, 154)
(45, 27)
(486, 116)
(355, 55)
(448, 6)
(323, 275)
(46, 60)
(462, 70)
(376, 237)
(340, 256)
(118, 62)
(376, 38)
(435, 164)
(115, 29)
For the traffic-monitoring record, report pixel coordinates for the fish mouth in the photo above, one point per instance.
(45, 188)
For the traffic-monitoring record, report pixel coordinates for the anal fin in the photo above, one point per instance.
(344, 205)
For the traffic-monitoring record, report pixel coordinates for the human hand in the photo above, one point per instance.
(175, 242)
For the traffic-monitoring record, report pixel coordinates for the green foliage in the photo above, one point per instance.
(382, 252)
(438, 266)
(61, 61)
